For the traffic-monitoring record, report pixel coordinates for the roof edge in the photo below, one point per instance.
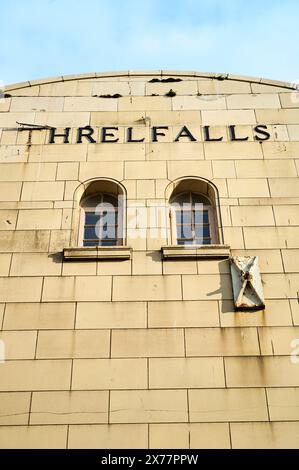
(152, 73)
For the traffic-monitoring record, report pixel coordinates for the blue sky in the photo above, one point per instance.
(44, 38)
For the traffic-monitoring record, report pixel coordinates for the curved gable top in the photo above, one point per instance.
(152, 74)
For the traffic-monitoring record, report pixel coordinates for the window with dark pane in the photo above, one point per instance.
(193, 219)
(101, 223)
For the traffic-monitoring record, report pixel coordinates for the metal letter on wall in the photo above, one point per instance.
(247, 283)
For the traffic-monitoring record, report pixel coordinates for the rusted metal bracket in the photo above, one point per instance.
(28, 127)
(32, 127)
(247, 283)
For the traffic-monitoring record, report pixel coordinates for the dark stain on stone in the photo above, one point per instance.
(171, 93)
(165, 80)
(116, 95)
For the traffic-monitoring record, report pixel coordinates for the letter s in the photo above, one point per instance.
(262, 130)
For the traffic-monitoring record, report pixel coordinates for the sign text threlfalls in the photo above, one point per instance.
(111, 134)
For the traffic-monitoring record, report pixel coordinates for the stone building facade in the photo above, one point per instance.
(137, 343)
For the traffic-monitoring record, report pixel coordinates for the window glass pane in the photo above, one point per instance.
(90, 233)
(92, 201)
(182, 198)
(200, 199)
(109, 231)
(202, 231)
(178, 217)
(205, 217)
(185, 242)
(108, 242)
(201, 217)
(183, 217)
(206, 231)
(184, 231)
(101, 221)
(198, 216)
(90, 243)
(179, 231)
(192, 218)
(198, 231)
(110, 200)
(203, 241)
(188, 197)
(105, 232)
(91, 218)
(108, 218)
(100, 199)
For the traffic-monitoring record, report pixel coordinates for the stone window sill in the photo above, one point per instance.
(196, 252)
(101, 252)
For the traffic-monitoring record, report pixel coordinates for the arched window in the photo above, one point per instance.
(102, 215)
(194, 219)
(193, 212)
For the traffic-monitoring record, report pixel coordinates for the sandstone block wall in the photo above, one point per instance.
(146, 352)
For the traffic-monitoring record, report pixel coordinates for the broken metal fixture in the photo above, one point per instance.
(247, 283)
(31, 127)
